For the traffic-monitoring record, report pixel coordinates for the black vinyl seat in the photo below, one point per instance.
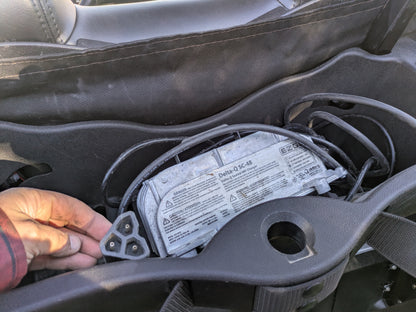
(62, 22)
(49, 21)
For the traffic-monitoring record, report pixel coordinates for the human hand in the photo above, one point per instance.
(57, 231)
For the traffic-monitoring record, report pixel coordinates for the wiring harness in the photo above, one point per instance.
(377, 165)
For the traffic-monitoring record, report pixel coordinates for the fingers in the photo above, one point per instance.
(89, 246)
(85, 257)
(77, 261)
(76, 215)
(36, 214)
(59, 210)
(41, 239)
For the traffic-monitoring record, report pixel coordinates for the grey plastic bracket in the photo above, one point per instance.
(123, 239)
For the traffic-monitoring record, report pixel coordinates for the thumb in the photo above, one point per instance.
(46, 240)
(72, 246)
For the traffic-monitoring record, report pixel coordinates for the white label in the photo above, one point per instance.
(191, 213)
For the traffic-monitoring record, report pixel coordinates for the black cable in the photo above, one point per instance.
(386, 134)
(354, 99)
(364, 171)
(123, 156)
(360, 137)
(345, 158)
(216, 132)
(331, 146)
(360, 100)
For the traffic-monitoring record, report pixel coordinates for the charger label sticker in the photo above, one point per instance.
(191, 213)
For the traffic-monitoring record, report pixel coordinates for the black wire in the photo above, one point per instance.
(360, 100)
(354, 99)
(360, 137)
(216, 132)
(331, 146)
(345, 158)
(364, 171)
(386, 134)
(123, 156)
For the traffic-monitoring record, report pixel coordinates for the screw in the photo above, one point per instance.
(134, 248)
(112, 245)
(387, 288)
(127, 227)
(392, 267)
(414, 286)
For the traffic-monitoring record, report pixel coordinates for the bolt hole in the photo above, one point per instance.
(125, 226)
(113, 243)
(286, 237)
(134, 248)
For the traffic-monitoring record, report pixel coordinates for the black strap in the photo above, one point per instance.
(395, 238)
(179, 300)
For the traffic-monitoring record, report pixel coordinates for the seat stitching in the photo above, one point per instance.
(58, 32)
(42, 23)
(45, 14)
(178, 49)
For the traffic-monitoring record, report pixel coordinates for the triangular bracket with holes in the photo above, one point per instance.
(123, 239)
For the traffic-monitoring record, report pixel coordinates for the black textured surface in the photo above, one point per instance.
(394, 237)
(179, 300)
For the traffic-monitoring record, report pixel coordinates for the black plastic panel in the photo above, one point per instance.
(239, 253)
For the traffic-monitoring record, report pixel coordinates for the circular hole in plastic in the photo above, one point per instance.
(286, 237)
